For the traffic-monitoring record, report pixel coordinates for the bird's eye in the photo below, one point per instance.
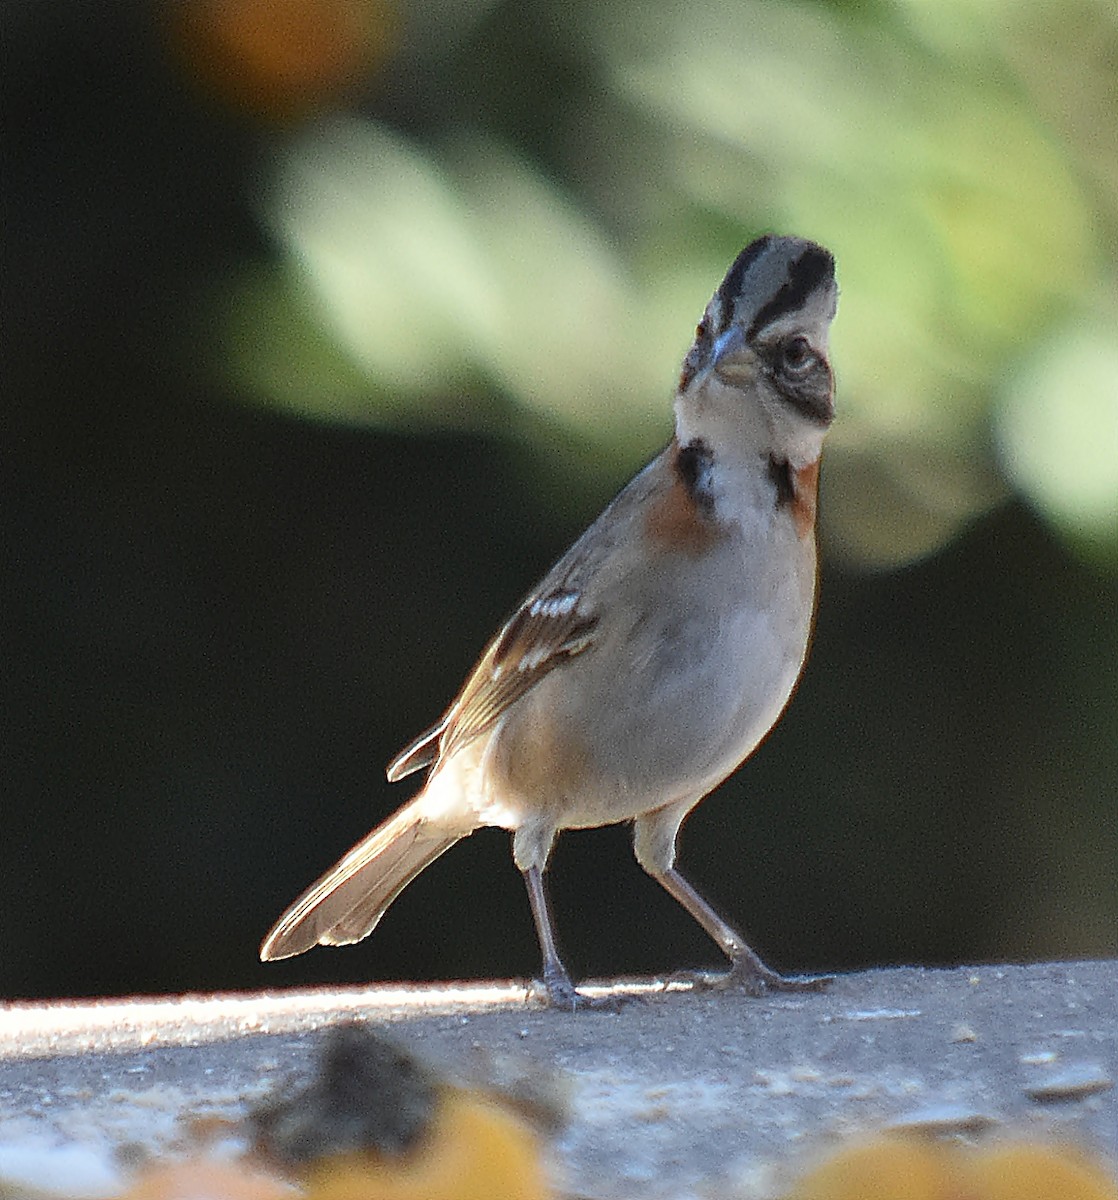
(701, 330)
(797, 355)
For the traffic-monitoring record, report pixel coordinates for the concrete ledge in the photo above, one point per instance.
(675, 1093)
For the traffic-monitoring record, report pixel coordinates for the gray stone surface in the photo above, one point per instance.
(677, 1094)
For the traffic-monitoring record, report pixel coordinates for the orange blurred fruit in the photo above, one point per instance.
(203, 1180)
(280, 59)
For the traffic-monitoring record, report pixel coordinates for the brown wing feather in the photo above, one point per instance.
(547, 630)
(417, 754)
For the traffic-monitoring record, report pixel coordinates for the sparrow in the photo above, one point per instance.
(656, 654)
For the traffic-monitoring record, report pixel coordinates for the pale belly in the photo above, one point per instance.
(688, 725)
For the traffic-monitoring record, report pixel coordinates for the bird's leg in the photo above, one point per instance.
(747, 971)
(561, 991)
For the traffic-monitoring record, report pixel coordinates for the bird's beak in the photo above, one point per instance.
(729, 358)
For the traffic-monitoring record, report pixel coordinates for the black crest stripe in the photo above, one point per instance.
(693, 463)
(813, 267)
(731, 286)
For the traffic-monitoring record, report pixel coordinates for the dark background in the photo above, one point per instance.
(218, 622)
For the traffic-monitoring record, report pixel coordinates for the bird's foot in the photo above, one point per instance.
(762, 983)
(752, 978)
(556, 990)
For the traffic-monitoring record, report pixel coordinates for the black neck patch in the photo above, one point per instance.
(693, 464)
(813, 268)
(780, 472)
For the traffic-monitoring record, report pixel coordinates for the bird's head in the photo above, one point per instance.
(757, 376)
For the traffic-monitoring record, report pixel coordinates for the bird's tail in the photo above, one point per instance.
(347, 902)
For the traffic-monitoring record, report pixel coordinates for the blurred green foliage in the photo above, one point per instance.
(958, 158)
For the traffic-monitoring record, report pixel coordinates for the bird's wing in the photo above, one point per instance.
(549, 628)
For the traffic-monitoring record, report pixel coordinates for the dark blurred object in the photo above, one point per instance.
(375, 1124)
(366, 1096)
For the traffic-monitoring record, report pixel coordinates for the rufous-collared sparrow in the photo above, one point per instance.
(657, 652)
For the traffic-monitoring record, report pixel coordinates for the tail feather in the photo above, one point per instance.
(345, 905)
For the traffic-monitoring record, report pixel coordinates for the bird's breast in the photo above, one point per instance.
(693, 666)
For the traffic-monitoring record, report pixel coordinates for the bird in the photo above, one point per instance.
(654, 656)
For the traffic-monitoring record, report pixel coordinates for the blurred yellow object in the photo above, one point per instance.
(280, 61)
(472, 1150)
(889, 1169)
(1031, 1172)
(917, 1169)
